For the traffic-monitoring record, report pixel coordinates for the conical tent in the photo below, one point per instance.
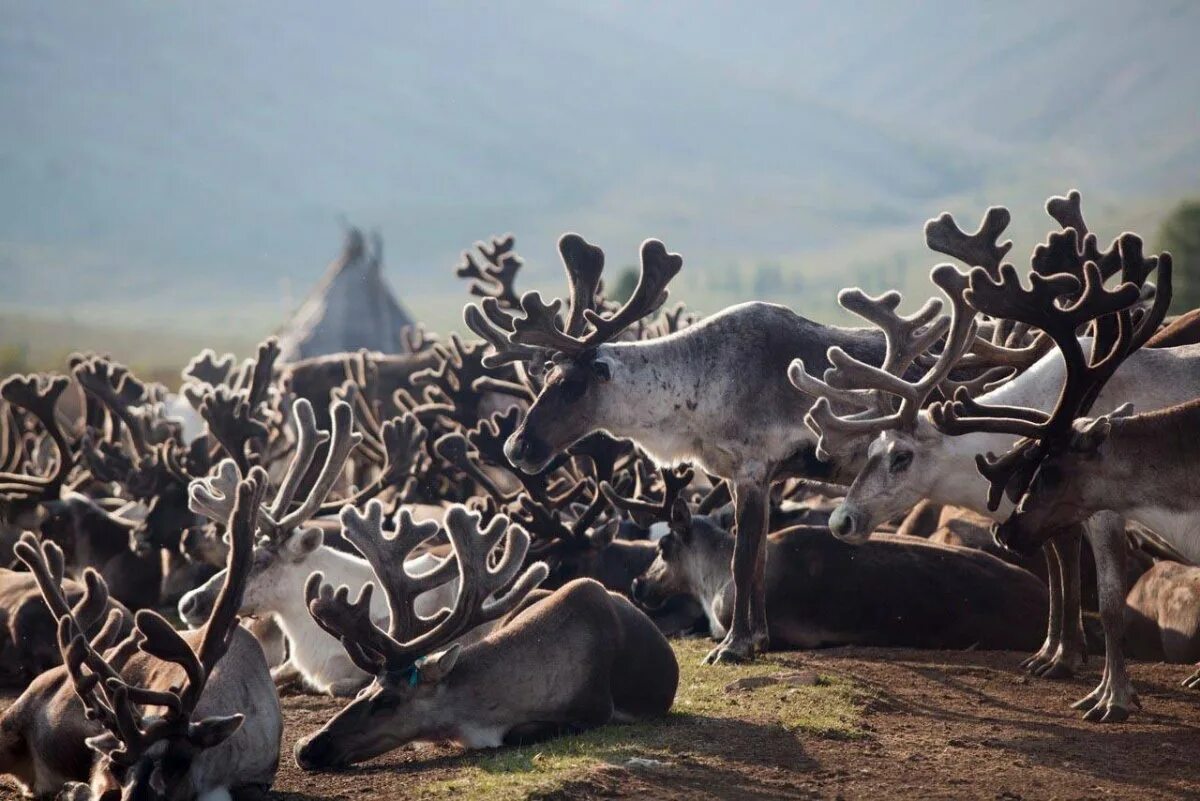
(350, 308)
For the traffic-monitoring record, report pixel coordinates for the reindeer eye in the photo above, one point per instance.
(573, 387)
(900, 461)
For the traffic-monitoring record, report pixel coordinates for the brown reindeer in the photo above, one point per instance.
(1057, 472)
(575, 658)
(888, 591)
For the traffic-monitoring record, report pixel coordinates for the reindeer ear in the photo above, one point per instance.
(214, 731)
(437, 666)
(681, 519)
(303, 541)
(1089, 435)
(603, 536)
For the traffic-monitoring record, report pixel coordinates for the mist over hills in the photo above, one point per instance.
(190, 166)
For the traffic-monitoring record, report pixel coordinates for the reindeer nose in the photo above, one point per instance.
(516, 448)
(314, 753)
(842, 522)
(189, 607)
(636, 589)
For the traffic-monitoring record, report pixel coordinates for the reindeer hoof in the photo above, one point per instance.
(733, 651)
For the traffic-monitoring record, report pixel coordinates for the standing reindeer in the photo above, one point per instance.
(714, 393)
(575, 658)
(1067, 467)
(167, 716)
(910, 458)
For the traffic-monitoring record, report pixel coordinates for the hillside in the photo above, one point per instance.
(163, 167)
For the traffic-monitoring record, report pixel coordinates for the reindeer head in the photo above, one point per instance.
(691, 558)
(582, 376)
(413, 658)
(884, 480)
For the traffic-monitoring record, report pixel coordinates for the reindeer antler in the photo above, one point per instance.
(409, 636)
(979, 249)
(1042, 306)
(538, 333)
(38, 395)
(905, 339)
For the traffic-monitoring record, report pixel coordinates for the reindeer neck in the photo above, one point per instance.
(656, 399)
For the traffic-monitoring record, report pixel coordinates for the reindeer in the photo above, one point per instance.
(910, 458)
(575, 658)
(889, 591)
(1162, 616)
(287, 550)
(164, 715)
(1056, 457)
(714, 393)
(27, 639)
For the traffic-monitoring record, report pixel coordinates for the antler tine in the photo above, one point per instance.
(44, 561)
(230, 419)
(260, 377)
(207, 368)
(674, 481)
(658, 268)
(848, 372)
(241, 525)
(1149, 324)
(979, 249)
(539, 327)
(117, 389)
(308, 440)
(161, 640)
(1068, 212)
(343, 439)
(584, 264)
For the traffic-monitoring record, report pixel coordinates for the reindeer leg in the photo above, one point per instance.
(1110, 701)
(1035, 663)
(1069, 653)
(747, 634)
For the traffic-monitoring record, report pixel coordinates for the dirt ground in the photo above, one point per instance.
(847, 723)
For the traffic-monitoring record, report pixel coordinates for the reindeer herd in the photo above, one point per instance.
(491, 541)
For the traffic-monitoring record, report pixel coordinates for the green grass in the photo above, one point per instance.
(831, 708)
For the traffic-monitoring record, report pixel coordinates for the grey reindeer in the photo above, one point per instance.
(715, 394)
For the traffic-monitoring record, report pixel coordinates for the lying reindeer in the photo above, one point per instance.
(158, 715)
(288, 549)
(575, 658)
(888, 591)
(1162, 616)
(27, 645)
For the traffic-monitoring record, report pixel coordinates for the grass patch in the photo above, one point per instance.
(831, 708)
